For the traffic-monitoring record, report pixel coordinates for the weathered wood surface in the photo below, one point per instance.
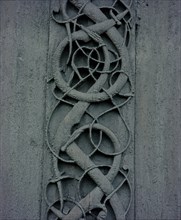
(25, 160)
(55, 34)
(158, 110)
(23, 52)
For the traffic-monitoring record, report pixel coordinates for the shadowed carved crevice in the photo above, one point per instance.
(86, 133)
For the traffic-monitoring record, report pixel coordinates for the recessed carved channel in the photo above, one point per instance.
(86, 133)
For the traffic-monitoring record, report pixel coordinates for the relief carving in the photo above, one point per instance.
(89, 136)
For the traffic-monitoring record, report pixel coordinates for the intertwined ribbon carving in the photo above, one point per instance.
(90, 66)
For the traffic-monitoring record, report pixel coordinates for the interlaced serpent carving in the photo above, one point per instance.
(91, 85)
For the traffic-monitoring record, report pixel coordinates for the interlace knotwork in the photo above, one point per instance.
(91, 83)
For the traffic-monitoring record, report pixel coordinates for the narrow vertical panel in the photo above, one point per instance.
(55, 33)
(23, 49)
(158, 131)
(74, 182)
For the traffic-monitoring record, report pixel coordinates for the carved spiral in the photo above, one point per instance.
(90, 67)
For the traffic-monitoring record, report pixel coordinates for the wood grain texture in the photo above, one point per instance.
(55, 34)
(158, 91)
(25, 162)
(23, 46)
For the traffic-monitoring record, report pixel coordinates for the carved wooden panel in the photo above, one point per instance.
(31, 176)
(87, 134)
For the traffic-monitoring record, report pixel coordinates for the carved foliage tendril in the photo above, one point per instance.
(91, 84)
